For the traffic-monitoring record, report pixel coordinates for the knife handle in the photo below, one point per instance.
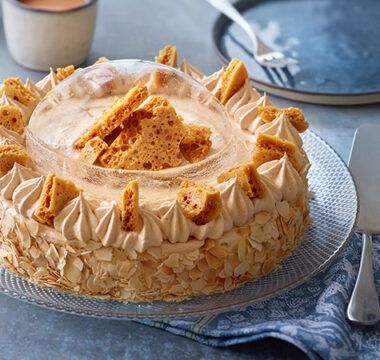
(363, 308)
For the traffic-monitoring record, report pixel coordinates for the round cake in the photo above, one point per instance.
(140, 181)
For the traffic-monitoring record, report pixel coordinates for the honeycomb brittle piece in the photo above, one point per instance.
(56, 193)
(129, 208)
(200, 203)
(114, 116)
(12, 118)
(13, 88)
(150, 139)
(269, 147)
(247, 177)
(297, 118)
(63, 73)
(10, 154)
(93, 149)
(102, 59)
(268, 113)
(168, 56)
(196, 144)
(233, 79)
(295, 115)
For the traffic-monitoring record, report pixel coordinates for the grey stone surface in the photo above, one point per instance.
(137, 29)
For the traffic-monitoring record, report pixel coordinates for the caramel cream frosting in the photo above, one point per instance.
(168, 257)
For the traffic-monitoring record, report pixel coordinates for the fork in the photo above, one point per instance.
(262, 53)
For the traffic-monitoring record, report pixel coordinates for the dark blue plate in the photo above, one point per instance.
(336, 43)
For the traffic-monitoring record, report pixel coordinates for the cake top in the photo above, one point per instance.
(148, 137)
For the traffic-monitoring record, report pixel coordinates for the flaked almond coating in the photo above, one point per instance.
(295, 115)
(233, 79)
(269, 147)
(247, 177)
(13, 88)
(10, 154)
(200, 203)
(129, 207)
(168, 56)
(56, 193)
(196, 144)
(113, 117)
(12, 118)
(63, 73)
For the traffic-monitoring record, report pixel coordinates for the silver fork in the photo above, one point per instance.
(262, 53)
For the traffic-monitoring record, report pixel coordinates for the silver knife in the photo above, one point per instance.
(364, 164)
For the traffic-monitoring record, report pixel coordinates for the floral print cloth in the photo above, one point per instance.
(311, 316)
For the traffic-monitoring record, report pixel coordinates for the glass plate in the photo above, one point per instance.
(333, 212)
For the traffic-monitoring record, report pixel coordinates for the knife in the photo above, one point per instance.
(364, 163)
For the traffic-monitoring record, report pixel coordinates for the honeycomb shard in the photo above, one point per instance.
(56, 193)
(11, 154)
(114, 115)
(269, 147)
(200, 203)
(13, 88)
(129, 208)
(247, 177)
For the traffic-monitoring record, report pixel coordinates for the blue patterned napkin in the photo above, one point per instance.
(312, 316)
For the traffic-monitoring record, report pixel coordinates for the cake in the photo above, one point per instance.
(138, 181)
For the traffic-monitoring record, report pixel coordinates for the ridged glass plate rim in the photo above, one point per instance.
(141, 310)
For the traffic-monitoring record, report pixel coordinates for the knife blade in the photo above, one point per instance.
(364, 164)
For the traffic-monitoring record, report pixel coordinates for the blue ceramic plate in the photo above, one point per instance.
(336, 43)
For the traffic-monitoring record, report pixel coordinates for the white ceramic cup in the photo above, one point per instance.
(40, 39)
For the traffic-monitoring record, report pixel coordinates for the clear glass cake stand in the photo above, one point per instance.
(333, 209)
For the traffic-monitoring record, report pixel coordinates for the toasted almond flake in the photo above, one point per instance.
(7, 224)
(93, 245)
(154, 251)
(53, 252)
(228, 283)
(78, 263)
(70, 249)
(255, 270)
(269, 265)
(103, 254)
(213, 261)
(34, 252)
(71, 271)
(3, 252)
(283, 209)
(193, 255)
(176, 289)
(32, 226)
(243, 249)
(210, 276)
(260, 256)
(23, 234)
(198, 285)
(172, 261)
(166, 270)
(202, 265)
(262, 217)
(210, 243)
(219, 251)
(256, 245)
(181, 248)
(241, 269)
(195, 273)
